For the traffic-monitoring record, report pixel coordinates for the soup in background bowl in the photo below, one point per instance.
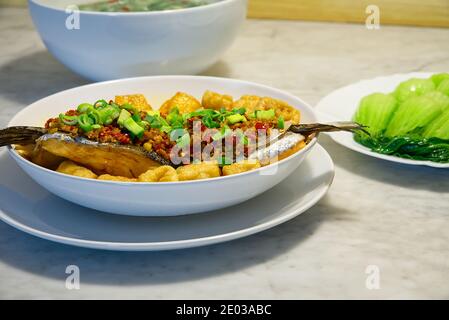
(142, 5)
(111, 45)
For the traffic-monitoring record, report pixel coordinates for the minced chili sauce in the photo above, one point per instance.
(158, 140)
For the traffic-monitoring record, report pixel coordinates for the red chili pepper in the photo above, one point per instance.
(71, 113)
(124, 139)
(261, 126)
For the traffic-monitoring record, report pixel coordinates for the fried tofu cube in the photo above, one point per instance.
(183, 101)
(70, 167)
(240, 167)
(108, 177)
(203, 170)
(159, 174)
(216, 101)
(138, 101)
(248, 102)
(281, 108)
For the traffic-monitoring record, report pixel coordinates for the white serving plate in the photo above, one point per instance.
(113, 45)
(342, 103)
(30, 208)
(162, 198)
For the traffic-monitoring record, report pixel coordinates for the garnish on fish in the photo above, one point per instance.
(111, 158)
(123, 140)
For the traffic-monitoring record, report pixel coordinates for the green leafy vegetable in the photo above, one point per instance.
(412, 88)
(375, 112)
(439, 127)
(413, 114)
(417, 148)
(438, 78)
(444, 87)
(412, 123)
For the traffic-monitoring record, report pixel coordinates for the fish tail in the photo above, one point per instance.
(327, 127)
(20, 135)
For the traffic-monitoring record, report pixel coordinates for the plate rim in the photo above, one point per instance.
(362, 149)
(179, 244)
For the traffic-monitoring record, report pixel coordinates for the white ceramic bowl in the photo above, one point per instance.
(166, 198)
(115, 45)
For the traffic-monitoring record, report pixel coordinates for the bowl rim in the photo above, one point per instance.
(218, 4)
(304, 150)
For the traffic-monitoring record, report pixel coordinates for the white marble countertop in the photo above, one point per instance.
(376, 213)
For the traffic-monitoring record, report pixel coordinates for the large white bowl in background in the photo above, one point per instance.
(127, 44)
(163, 198)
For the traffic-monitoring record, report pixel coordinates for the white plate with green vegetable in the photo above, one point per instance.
(407, 117)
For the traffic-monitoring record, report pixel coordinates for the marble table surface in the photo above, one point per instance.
(377, 213)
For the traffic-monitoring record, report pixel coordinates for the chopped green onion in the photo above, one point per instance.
(186, 116)
(263, 114)
(85, 122)
(129, 108)
(100, 104)
(124, 115)
(156, 121)
(184, 141)
(175, 119)
(239, 111)
(235, 118)
(85, 107)
(108, 114)
(133, 127)
(95, 116)
(175, 134)
(136, 117)
(144, 124)
(166, 129)
(209, 122)
(96, 126)
(281, 122)
(181, 137)
(224, 161)
(68, 120)
(153, 121)
(223, 133)
(153, 113)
